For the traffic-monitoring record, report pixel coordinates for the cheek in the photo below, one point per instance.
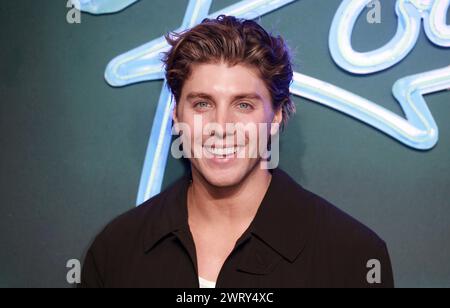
(185, 116)
(261, 115)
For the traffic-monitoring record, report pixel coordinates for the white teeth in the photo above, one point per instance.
(222, 151)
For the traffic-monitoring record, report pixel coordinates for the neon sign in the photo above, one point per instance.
(418, 130)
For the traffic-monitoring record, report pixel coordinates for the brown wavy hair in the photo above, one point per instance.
(234, 41)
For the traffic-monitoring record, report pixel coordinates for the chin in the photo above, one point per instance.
(221, 182)
(224, 176)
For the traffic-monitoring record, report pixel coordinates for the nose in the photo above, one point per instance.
(221, 117)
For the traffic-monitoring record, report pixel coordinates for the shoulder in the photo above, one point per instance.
(124, 239)
(359, 257)
(130, 227)
(338, 225)
(329, 224)
(338, 242)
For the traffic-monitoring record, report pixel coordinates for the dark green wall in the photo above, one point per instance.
(72, 147)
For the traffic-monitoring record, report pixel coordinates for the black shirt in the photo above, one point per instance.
(297, 239)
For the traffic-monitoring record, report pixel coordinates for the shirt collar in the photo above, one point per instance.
(283, 220)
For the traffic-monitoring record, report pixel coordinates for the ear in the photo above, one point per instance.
(277, 118)
(175, 118)
(174, 113)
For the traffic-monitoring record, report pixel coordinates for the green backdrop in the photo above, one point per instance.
(72, 147)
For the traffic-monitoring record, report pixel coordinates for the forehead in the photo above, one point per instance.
(221, 80)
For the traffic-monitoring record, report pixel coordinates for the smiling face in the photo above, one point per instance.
(220, 94)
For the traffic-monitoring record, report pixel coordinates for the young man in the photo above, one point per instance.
(232, 222)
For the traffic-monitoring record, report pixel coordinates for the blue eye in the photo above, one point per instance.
(202, 105)
(245, 106)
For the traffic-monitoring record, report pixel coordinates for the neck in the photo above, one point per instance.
(224, 206)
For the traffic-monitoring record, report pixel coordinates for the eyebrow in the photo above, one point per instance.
(193, 95)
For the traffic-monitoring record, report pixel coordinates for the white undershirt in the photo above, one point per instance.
(206, 283)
